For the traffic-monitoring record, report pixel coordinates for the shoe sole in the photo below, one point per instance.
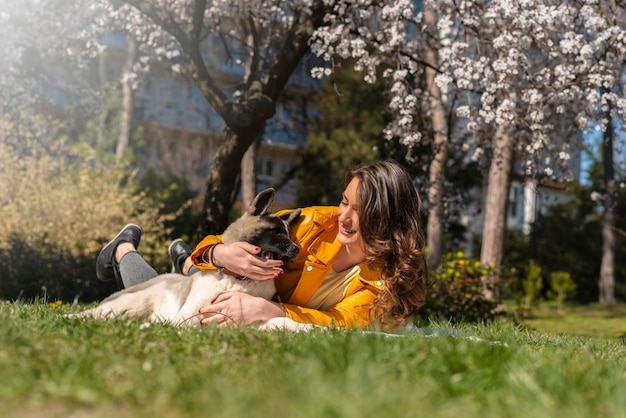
(102, 275)
(169, 252)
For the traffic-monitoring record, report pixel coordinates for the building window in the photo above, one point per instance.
(264, 168)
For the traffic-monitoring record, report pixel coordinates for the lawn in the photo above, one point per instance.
(57, 367)
(593, 320)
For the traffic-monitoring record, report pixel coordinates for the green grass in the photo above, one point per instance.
(592, 320)
(56, 367)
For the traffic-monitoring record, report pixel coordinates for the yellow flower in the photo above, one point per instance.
(56, 304)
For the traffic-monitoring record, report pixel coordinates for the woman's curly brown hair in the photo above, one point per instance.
(389, 223)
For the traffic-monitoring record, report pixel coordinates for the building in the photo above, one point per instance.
(183, 131)
(528, 199)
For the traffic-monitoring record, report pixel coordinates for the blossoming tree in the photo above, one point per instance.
(269, 40)
(541, 73)
(266, 42)
(499, 80)
(527, 77)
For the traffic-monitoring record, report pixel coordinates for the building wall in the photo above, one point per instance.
(189, 154)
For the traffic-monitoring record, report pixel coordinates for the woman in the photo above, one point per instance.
(359, 262)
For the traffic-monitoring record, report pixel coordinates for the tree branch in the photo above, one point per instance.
(159, 17)
(198, 19)
(293, 49)
(619, 231)
(255, 60)
(234, 116)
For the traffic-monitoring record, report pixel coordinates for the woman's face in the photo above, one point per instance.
(349, 234)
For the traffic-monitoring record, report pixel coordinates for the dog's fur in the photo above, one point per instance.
(176, 299)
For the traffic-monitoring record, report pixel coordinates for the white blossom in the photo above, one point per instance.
(530, 64)
(463, 111)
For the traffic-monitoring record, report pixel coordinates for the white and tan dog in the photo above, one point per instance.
(176, 298)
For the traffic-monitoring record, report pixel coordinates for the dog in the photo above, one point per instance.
(176, 299)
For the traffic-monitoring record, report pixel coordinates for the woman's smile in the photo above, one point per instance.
(346, 231)
(349, 217)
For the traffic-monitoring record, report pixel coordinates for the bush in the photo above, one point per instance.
(532, 285)
(457, 292)
(60, 205)
(563, 286)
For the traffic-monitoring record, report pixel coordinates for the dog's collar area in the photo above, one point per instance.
(233, 275)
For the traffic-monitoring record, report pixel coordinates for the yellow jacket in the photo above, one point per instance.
(315, 233)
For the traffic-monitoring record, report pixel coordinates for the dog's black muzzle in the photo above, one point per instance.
(285, 252)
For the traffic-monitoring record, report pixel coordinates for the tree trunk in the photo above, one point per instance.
(104, 112)
(248, 174)
(127, 100)
(606, 284)
(496, 203)
(436, 170)
(245, 120)
(248, 163)
(221, 187)
(528, 305)
(560, 297)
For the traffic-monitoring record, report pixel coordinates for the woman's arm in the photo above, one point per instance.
(238, 309)
(238, 258)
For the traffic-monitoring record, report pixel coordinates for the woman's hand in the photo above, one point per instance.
(241, 259)
(240, 309)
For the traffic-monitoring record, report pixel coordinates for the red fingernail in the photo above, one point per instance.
(276, 276)
(257, 249)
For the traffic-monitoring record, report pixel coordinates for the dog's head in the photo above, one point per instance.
(262, 228)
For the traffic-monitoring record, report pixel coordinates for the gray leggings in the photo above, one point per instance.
(134, 269)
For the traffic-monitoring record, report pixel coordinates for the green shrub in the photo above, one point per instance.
(457, 292)
(532, 285)
(563, 286)
(59, 206)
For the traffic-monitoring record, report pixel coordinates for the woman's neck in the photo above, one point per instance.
(348, 257)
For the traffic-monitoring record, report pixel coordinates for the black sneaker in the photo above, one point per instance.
(105, 263)
(179, 251)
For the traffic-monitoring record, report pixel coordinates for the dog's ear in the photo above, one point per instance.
(290, 217)
(262, 203)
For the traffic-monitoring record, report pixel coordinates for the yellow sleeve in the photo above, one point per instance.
(351, 312)
(204, 245)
